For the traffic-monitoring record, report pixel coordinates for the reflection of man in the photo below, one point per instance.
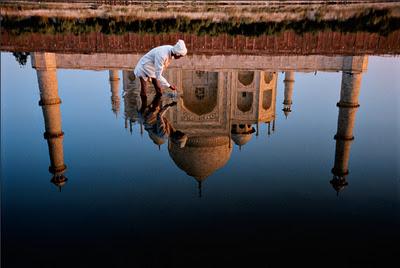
(151, 66)
(158, 127)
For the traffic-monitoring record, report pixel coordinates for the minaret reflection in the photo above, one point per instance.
(50, 102)
(132, 101)
(289, 83)
(348, 106)
(114, 84)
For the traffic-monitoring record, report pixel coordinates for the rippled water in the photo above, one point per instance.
(249, 186)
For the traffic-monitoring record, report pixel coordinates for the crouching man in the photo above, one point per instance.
(151, 66)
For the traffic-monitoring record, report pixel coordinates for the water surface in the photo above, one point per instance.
(129, 201)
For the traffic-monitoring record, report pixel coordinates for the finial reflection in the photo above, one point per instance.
(241, 134)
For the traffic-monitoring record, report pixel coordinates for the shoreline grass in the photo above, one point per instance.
(371, 20)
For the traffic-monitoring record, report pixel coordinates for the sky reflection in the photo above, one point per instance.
(122, 190)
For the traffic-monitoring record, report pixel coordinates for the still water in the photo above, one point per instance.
(260, 177)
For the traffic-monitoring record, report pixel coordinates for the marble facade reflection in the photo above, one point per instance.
(217, 108)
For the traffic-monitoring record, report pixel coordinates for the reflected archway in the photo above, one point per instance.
(267, 99)
(200, 91)
(244, 101)
(246, 78)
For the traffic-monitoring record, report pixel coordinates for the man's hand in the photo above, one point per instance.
(173, 87)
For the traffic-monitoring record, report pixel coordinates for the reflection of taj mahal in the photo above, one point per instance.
(220, 104)
(215, 108)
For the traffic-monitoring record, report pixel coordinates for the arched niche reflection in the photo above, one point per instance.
(200, 91)
(246, 77)
(268, 77)
(244, 101)
(267, 99)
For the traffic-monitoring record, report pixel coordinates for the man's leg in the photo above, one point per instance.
(157, 86)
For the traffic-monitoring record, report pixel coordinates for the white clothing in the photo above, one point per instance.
(153, 63)
(180, 48)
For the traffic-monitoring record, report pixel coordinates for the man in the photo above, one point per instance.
(151, 66)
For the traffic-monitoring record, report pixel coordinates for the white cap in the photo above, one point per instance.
(180, 48)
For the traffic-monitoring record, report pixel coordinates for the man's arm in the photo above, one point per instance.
(159, 67)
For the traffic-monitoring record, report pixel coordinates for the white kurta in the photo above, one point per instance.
(153, 63)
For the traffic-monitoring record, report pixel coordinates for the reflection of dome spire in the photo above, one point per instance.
(201, 156)
(199, 187)
(241, 134)
(286, 112)
(59, 181)
(338, 183)
(289, 84)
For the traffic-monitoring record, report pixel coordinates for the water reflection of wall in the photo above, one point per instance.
(285, 43)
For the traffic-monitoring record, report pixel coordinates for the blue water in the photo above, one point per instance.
(126, 202)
